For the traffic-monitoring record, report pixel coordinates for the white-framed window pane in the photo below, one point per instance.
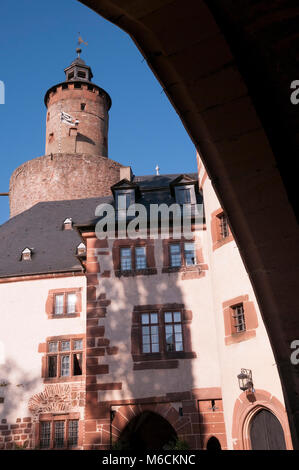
(168, 317)
(177, 317)
(178, 328)
(168, 329)
(140, 257)
(125, 259)
(154, 318)
(179, 346)
(190, 255)
(178, 338)
(78, 344)
(59, 304)
(155, 347)
(175, 255)
(53, 346)
(145, 318)
(155, 339)
(146, 348)
(71, 303)
(145, 330)
(154, 330)
(65, 345)
(65, 366)
(146, 339)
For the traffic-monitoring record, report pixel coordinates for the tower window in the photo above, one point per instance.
(81, 74)
(70, 75)
(83, 106)
(77, 85)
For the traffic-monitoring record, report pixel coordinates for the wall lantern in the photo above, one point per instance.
(245, 380)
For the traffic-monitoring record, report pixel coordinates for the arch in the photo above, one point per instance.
(240, 129)
(166, 411)
(213, 444)
(246, 407)
(147, 431)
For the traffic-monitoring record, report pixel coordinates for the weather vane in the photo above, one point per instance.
(80, 41)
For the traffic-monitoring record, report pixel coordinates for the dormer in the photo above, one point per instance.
(125, 193)
(68, 223)
(26, 254)
(81, 249)
(184, 189)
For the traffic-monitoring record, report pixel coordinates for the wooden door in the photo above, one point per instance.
(266, 432)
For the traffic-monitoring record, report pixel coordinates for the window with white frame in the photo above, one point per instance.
(140, 257)
(150, 332)
(64, 358)
(173, 331)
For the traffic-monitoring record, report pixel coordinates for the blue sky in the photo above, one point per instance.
(38, 40)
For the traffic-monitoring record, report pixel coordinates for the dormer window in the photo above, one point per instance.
(68, 224)
(26, 254)
(124, 198)
(185, 194)
(81, 74)
(81, 249)
(70, 75)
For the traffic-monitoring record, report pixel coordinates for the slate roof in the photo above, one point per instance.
(54, 249)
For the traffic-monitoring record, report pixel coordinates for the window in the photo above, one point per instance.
(175, 255)
(26, 254)
(59, 304)
(239, 318)
(81, 74)
(124, 198)
(125, 259)
(83, 106)
(70, 75)
(160, 336)
(189, 254)
(140, 257)
(150, 333)
(185, 194)
(65, 303)
(173, 331)
(59, 433)
(71, 302)
(224, 229)
(182, 254)
(220, 231)
(64, 358)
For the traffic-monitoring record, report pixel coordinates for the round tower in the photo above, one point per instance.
(77, 117)
(76, 163)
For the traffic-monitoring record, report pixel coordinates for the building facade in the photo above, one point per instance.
(124, 342)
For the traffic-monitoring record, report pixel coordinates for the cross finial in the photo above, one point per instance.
(157, 170)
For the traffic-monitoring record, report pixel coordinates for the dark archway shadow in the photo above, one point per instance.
(147, 431)
(213, 444)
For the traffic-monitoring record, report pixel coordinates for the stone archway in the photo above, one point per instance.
(166, 414)
(225, 67)
(246, 408)
(147, 431)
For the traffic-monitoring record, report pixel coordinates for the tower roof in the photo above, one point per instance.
(78, 70)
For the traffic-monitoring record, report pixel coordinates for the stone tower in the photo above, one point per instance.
(87, 104)
(75, 164)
